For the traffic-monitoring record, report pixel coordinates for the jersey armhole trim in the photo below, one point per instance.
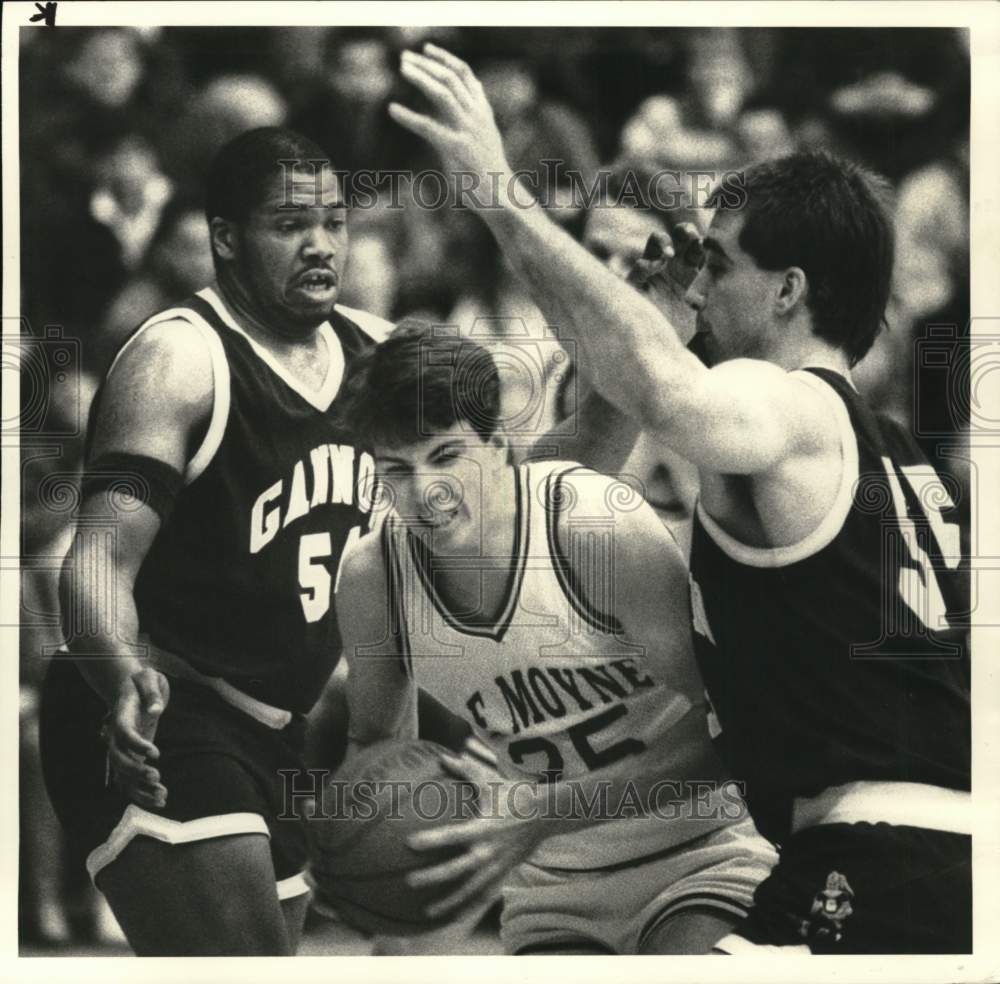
(376, 328)
(201, 459)
(394, 587)
(832, 522)
(566, 576)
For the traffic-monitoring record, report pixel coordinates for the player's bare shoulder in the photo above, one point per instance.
(584, 500)
(168, 366)
(159, 394)
(616, 547)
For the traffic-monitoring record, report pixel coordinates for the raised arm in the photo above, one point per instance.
(155, 404)
(742, 417)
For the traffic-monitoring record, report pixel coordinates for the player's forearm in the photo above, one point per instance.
(629, 349)
(100, 625)
(598, 435)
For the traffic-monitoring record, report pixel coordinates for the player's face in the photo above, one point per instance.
(293, 247)
(441, 484)
(617, 236)
(732, 296)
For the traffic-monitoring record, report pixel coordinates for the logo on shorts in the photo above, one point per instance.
(830, 908)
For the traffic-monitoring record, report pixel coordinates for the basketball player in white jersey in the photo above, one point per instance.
(547, 606)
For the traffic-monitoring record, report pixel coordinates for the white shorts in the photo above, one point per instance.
(617, 908)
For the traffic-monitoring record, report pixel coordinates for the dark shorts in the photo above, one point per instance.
(221, 768)
(867, 888)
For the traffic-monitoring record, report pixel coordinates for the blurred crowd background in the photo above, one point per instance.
(118, 127)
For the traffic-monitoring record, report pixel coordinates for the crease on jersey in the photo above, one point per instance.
(832, 522)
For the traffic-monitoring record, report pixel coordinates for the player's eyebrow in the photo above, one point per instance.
(711, 245)
(449, 445)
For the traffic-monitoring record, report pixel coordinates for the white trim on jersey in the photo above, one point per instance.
(832, 522)
(904, 804)
(289, 888)
(137, 822)
(175, 666)
(376, 328)
(319, 399)
(734, 945)
(202, 458)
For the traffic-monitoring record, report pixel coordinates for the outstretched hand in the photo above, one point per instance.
(462, 127)
(667, 269)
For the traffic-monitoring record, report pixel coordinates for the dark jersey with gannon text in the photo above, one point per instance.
(240, 579)
(843, 657)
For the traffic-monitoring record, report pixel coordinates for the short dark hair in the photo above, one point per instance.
(421, 381)
(244, 168)
(831, 217)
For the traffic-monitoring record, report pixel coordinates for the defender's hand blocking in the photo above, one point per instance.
(494, 843)
(130, 731)
(462, 128)
(670, 261)
(667, 268)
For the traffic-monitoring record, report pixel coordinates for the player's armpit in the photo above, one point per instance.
(742, 417)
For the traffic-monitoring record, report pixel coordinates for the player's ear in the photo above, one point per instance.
(223, 238)
(791, 290)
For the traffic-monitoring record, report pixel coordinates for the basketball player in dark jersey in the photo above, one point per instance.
(197, 608)
(828, 583)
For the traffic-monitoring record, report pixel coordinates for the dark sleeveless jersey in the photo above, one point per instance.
(842, 658)
(239, 581)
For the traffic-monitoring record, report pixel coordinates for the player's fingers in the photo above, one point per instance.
(658, 246)
(448, 835)
(153, 798)
(153, 689)
(133, 775)
(687, 243)
(466, 767)
(470, 889)
(444, 74)
(455, 63)
(130, 740)
(422, 126)
(464, 864)
(437, 92)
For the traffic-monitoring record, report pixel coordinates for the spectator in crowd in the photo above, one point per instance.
(346, 114)
(178, 262)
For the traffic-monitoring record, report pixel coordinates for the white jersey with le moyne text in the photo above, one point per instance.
(554, 686)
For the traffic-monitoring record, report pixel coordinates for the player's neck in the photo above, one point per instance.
(801, 350)
(486, 595)
(272, 331)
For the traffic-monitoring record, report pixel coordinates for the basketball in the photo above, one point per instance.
(359, 856)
